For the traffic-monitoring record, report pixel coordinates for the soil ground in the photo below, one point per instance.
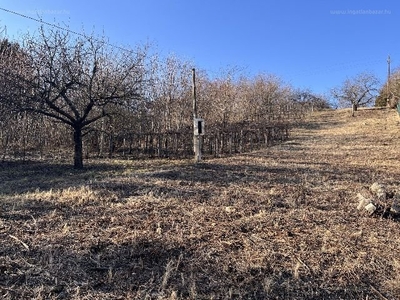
(279, 223)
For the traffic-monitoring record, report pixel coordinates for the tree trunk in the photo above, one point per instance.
(354, 109)
(78, 153)
(111, 145)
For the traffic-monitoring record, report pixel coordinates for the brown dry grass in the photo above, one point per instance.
(279, 223)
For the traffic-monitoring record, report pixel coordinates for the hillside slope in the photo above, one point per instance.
(279, 223)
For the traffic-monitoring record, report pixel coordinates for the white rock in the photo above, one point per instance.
(363, 201)
(379, 190)
(230, 209)
(370, 208)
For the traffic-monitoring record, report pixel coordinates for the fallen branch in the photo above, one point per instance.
(18, 240)
(304, 264)
(377, 292)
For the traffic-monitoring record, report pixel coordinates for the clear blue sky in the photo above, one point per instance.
(309, 44)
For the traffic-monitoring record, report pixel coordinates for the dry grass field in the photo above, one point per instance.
(279, 223)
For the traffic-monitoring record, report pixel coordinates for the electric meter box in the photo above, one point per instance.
(198, 126)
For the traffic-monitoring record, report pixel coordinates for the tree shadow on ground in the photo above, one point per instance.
(20, 177)
(154, 268)
(328, 122)
(219, 174)
(223, 175)
(96, 263)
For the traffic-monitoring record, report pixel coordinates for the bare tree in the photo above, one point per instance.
(309, 100)
(10, 63)
(77, 81)
(389, 93)
(267, 96)
(358, 91)
(223, 94)
(170, 92)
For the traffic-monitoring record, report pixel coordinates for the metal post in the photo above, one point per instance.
(196, 138)
(194, 93)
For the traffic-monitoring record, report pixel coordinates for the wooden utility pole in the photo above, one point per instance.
(194, 93)
(196, 136)
(388, 84)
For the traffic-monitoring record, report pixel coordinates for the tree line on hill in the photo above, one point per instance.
(389, 93)
(365, 90)
(60, 91)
